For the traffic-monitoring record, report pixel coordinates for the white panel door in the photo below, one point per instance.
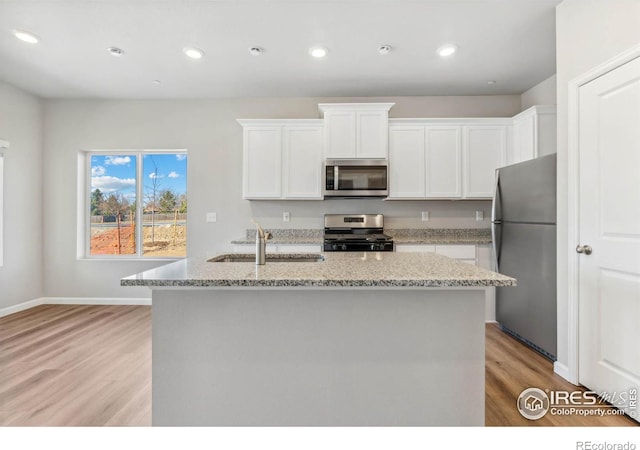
(406, 162)
(444, 162)
(302, 163)
(262, 158)
(373, 134)
(340, 134)
(609, 295)
(485, 150)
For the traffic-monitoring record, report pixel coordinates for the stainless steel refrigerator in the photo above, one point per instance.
(523, 221)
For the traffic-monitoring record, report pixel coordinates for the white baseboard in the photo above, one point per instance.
(563, 371)
(96, 301)
(21, 307)
(73, 301)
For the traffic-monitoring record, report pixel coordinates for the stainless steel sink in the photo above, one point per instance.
(271, 258)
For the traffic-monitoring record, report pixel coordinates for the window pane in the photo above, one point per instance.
(165, 205)
(113, 205)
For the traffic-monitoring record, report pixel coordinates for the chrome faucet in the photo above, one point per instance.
(261, 244)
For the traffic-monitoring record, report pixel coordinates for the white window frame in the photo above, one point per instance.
(84, 200)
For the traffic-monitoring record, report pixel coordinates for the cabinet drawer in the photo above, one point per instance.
(292, 248)
(457, 251)
(415, 248)
(251, 248)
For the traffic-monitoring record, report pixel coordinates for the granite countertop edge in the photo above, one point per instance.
(318, 283)
(414, 241)
(341, 269)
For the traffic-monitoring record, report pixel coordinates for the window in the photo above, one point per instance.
(137, 204)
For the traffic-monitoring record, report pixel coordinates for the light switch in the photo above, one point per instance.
(286, 217)
(479, 216)
(212, 217)
(425, 216)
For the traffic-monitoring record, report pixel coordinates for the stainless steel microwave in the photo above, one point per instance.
(356, 178)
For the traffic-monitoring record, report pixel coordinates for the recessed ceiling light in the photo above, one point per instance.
(157, 81)
(192, 52)
(447, 50)
(318, 52)
(491, 82)
(384, 49)
(255, 51)
(115, 51)
(26, 36)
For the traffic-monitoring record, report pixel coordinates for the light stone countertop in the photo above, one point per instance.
(417, 236)
(340, 269)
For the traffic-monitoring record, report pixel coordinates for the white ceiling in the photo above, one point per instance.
(509, 41)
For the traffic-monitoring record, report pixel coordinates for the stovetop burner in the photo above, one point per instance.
(356, 232)
(357, 237)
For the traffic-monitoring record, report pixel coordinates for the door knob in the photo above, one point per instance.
(586, 249)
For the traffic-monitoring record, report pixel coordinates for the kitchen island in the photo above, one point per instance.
(337, 339)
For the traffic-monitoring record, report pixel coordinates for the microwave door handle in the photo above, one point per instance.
(336, 173)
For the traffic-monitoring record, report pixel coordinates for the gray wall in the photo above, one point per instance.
(589, 32)
(21, 125)
(543, 93)
(208, 129)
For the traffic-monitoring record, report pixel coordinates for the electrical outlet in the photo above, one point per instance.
(425, 216)
(212, 217)
(479, 216)
(286, 217)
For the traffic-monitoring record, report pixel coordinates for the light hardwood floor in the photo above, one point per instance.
(70, 365)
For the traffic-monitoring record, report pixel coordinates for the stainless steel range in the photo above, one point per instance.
(356, 233)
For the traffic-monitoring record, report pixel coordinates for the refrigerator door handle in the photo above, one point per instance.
(496, 197)
(496, 245)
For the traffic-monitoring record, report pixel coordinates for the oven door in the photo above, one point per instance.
(356, 178)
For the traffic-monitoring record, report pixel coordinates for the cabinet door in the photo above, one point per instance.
(415, 248)
(340, 134)
(444, 162)
(302, 163)
(406, 162)
(262, 159)
(372, 134)
(524, 139)
(460, 252)
(485, 150)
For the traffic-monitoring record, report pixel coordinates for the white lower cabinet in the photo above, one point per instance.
(279, 248)
(465, 253)
(478, 255)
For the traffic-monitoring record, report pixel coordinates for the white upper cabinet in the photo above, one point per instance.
(534, 133)
(340, 134)
(429, 158)
(444, 161)
(282, 159)
(425, 161)
(262, 162)
(406, 161)
(356, 130)
(302, 162)
(446, 158)
(484, 151)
